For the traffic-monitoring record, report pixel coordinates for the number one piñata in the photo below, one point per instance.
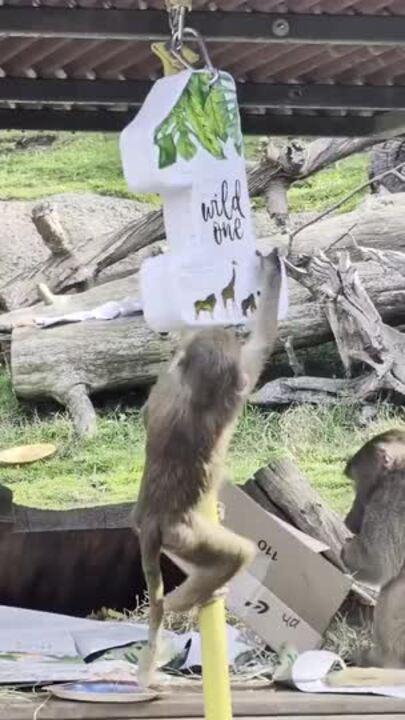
(186, 144)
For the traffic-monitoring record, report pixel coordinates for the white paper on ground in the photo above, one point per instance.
(107, 311)
(53, 647)
(44, 633)
(310, 669)
(28, 670)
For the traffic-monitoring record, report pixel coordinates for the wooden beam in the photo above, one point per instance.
(265, 95)
(101, 23)
(101, 120)
(390, 124)
(107, 517)
(179, 702)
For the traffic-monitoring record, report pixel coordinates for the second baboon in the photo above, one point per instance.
(376, 553)
(377, 517)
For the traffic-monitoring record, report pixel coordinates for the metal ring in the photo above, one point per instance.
(175, 49)
(201, 42)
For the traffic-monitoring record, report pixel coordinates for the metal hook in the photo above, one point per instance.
(177, 42)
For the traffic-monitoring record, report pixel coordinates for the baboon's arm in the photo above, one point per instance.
(264, 332)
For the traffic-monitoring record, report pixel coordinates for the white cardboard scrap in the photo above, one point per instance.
(29, 671)
(310, 669)
(30, 631)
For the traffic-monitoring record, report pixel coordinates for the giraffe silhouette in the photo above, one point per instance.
(228, 293)
(248, 303)
(206, 305)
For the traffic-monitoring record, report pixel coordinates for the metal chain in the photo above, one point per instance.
(176, 10)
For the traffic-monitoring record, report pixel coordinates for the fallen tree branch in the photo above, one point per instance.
(317, 155)
(315, 390)
(126, 353)
(362, 338)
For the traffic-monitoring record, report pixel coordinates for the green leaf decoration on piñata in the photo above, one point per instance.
(206, 114)
(186, 148)
(167, 151)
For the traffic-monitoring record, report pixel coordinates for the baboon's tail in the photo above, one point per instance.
(150, 544)
(366, 677)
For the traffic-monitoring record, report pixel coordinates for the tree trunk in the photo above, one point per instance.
(70, 362)
(378, 223)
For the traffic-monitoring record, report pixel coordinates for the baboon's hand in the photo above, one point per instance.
(221, 511)
(270, 268)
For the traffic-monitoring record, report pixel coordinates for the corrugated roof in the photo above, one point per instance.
(327, 7)
(267, 64)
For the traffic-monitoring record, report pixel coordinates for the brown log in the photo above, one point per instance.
(259, 495)
(378, 223)
(71, 362)
(291, 493)
(313, 318)
(317, 155)
(54, 305)
(46, 220)
(383, 280)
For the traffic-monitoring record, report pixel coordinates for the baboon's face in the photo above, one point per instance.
(364, 470)
(355, 557)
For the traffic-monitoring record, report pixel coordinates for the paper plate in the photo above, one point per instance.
(101, 691)
(26, 453)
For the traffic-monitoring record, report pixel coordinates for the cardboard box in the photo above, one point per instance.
(290, 592)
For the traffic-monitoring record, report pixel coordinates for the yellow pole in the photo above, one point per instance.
(212, 623)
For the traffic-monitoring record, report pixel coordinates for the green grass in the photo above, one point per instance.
(108, 468)
(90, 162)
(76, 162)
(331, 185)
